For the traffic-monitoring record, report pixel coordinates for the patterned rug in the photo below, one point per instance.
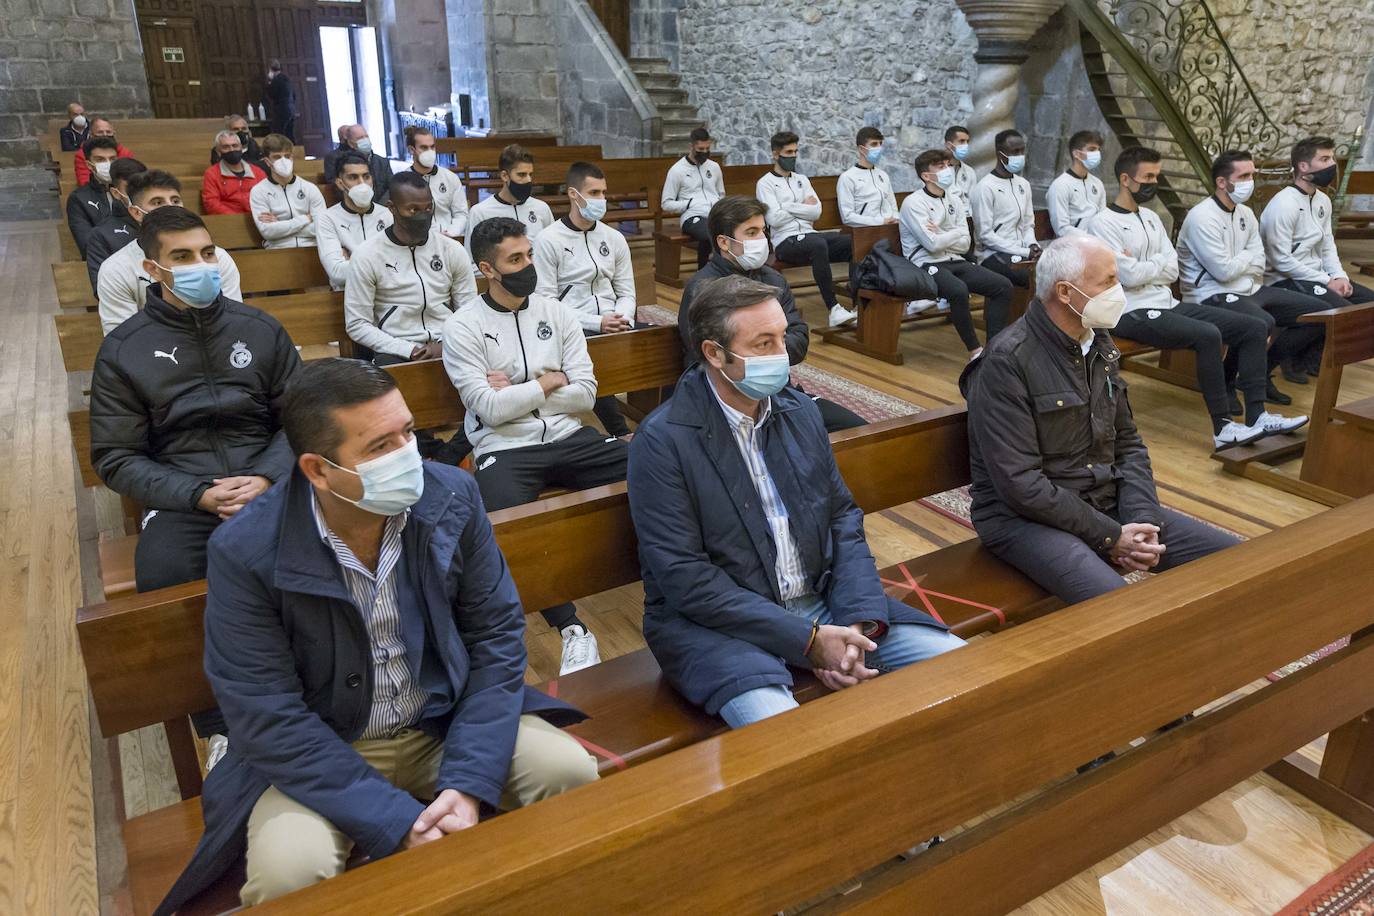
(1347, 891)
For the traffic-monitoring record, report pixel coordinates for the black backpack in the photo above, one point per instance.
(885, 271)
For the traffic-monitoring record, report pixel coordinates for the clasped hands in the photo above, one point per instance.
(837, 655)
(450, 812)
(1138, 549)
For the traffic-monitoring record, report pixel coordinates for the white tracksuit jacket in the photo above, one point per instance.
(541, 337)
(1072, 201)
(1219, 251)
(690, 190)
(298, 207)
(787, 216)
(342, 232)
(450, 200)
(1298, 242)
(1003, 217)
(1152, 264)
(589, 272)
(865, 197)
(950, 239)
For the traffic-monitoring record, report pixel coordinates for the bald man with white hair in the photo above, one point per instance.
(354, 137)
(1062, 487)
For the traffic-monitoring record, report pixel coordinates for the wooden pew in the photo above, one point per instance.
(943, 744)
(636, 716)
(261, 270)
(634, 360)
(1339, 438)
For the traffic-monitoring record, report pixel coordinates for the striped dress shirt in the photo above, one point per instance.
(791, 573)
(397, 699)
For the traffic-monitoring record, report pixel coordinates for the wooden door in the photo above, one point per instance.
(615, 16)
(234, 75)
(171, 60)
(289, 33)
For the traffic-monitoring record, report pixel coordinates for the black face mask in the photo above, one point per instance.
(521, 282)
(233, 158)
(787, 163)
(1146, 193)
(416, 226)
(700, 158)
(521, 192)
(1323, 178)
(245, 138)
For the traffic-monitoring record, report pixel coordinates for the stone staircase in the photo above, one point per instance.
(679, 116)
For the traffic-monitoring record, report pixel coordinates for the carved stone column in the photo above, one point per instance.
(1004, 29)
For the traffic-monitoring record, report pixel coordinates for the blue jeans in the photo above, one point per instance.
(903, 644)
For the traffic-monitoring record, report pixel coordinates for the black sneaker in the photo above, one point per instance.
(1274, 396)
(1293, 373)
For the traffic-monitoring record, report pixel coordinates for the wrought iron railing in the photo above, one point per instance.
(1175, 51)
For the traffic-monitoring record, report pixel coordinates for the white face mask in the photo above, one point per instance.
(392, 483)
(283, 167)
(1103, 310)
(79, 122)
(1092, 159)
(426, 158)
(102, 169)
(361, 195)
(945, 177)
(755, 253)
(1241, 191)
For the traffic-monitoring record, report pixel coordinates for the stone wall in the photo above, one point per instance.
(825, 68)
(469, 59)
(1056, 102)
(1311, 66)
(417, 45)
(654, 29)
(523, 39)
(602, 102)
(57, 51)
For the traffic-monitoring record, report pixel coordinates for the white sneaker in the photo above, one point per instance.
(219, 746)
(839, 315)
(917, 306)
(1276, 423)
(1234, 433)
(942, 305)
(579, 650)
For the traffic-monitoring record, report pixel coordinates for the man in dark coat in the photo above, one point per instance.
(752, 548)
(365, 642)
(1062, 487)
(736, 226)
(280, 99)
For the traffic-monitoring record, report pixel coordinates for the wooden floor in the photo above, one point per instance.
(1249, 850)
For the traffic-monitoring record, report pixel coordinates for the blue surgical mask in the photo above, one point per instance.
(945, 177)
(593, 208)
(197, 285)
(764, 376)
(1092, 159)
(961, 151)
(392, 483)
(364, 146)
(1015, 164)
(873, 154)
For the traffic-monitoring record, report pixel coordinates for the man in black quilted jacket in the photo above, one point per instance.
(184, 402)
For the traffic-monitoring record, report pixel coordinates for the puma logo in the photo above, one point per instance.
(172, 356)
(93, 204)
(492, 337)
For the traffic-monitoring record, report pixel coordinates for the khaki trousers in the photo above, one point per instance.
(290, 846)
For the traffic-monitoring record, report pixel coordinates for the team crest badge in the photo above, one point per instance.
(239, 356)
(1231, 297)
(605, 250)
(300, 195)
(381, 225)
(543, 332)
(1242, 224)
(443, 188)
(1152, 314)
(533, 218)
(435, 263)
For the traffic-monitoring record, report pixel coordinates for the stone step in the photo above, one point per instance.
(662, 96)
(651, 81)
(650, 65)
(677, 111)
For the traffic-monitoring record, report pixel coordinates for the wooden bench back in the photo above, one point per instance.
(632, 361)
(945, 742)
(276, 269)
(136, 646)
(488, 148)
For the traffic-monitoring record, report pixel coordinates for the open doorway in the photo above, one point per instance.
(353, 82)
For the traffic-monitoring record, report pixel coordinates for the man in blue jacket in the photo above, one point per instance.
(752, 548)
(365, 643)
